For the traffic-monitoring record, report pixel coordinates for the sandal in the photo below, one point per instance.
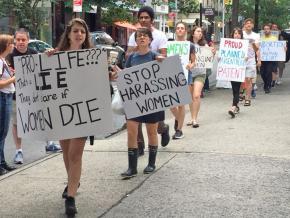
(189, 123)
(195, 124)
(247, 103)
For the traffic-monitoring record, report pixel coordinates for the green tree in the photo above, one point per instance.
(27, 13)
(185, 6)
(270, 11)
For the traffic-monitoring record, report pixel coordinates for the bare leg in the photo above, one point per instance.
(16, 139)
(72, 154)
(132, 131)
(197, 88)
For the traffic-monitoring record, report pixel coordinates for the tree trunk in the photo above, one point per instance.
(257, 3)
(98, 19)
(235, 13)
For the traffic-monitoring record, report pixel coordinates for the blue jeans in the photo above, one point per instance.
(5, 113)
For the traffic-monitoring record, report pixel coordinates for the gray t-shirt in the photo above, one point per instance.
(136, 59)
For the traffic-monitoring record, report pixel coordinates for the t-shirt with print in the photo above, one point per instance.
(4, 75)
(159, 40)
(253, 38)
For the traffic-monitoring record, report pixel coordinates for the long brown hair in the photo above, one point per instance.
(202, 41)
(5, 40)
(64, 43)
(237, 29)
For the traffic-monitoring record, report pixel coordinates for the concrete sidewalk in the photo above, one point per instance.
(226, 168)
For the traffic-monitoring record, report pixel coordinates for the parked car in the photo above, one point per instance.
(116, 54)
(38, 45)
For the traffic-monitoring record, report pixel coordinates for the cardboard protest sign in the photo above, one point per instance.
(273, 50)
(274, 35)
(232, 60)
(181, 48)
(63, 96)
(153, 87)
(204, 57)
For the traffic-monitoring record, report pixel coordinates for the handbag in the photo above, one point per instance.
(117, 103)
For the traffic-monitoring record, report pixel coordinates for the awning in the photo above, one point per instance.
(125, 25)
(192, 21)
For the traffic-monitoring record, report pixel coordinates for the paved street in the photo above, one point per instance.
(226, 168)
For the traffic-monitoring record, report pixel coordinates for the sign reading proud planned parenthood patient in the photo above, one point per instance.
(63, 96)
(153, 87)
(232, 59)
(273, 50)
(181, 48)
(204, 57)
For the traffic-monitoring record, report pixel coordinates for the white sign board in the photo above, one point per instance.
(273, 50)
(204, 57)
(181, 48)
(153, 87)
(77, 5)
(63, 96)
(232, 59)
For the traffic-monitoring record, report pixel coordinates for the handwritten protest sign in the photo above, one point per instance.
(232, 60)
(63, 96)
(181, 48)
(273, 50)
(274, 35)
(204, 57)
(153, 87)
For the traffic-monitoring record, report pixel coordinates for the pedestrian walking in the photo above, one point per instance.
(237, 33)
(76, 36)
(268, 68)
(159, 44)
(198, 76)
(179, 111)
(142, 54)
(252, 63)
(7, 80)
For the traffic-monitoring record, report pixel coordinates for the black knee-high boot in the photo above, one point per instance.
(152, 158)
(132, 159)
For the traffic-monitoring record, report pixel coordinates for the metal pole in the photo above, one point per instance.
(223, 33)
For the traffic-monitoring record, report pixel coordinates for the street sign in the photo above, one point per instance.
(77, 5)
(208, 11)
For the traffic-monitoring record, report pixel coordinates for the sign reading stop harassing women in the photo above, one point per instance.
(66, 95)
(232, 59)
(152, 87)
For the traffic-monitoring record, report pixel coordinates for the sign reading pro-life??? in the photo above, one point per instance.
(63, 96)
(273, 50)
(153, 87)
(232, 60)
(181, 48)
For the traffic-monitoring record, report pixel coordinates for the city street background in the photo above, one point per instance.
(226, 168)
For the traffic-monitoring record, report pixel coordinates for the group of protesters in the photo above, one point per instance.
(145, 45)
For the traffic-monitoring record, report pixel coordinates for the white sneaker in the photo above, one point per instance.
(18, 158)
(279, 82)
